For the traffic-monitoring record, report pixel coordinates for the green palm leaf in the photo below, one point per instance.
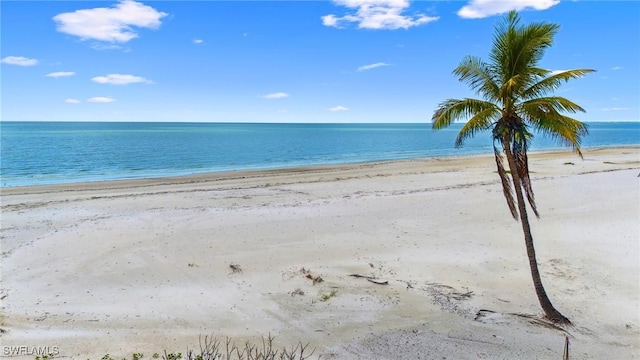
(553, 82)
(481, 121)
(461, 109)
(479, 76)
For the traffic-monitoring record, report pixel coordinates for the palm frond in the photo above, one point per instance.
(504, 34)
(475, 72)
(481, 121)
(532, 42)
(458, 109)
(548, 121)
(553, 82)
(509, 88)
(507, 189)
(516, 52)
(546, 105)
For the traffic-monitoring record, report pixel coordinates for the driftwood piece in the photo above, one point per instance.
(371, 279)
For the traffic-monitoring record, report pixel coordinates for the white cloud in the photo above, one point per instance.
(72, 101)
(277, 95)
(372, 66)
(198, 41)
(617, 68)
(330, 20)
(101, 99)
(615, 109)
(19, 60)
(477, 9)
(58, 74)
(377, 14)
(120, 79)
(337, 108)
(114, 24)
(102, 46)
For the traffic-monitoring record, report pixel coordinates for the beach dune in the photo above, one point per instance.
(148, 265)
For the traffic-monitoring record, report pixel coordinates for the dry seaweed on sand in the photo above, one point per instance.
(235, 269)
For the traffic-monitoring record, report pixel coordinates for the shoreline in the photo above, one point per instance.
(250, 173)
(144, 265)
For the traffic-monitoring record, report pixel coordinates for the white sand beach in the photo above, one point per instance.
(143, 266)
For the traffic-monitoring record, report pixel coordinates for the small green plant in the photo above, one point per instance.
(569, 163)
(172, 356)
(45, 357)
(326, 297)
(137, 356)
(192, 264)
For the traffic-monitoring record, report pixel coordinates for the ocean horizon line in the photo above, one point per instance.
(267, 122)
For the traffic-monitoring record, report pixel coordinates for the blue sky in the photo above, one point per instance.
(291, 61)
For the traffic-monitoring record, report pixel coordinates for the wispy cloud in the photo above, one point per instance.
(114, 24)
(103, 46)
(377, 14)
(198, 41)
(101, 99)
(477, 9)
(58, 74)
(120, 79)
(372, 66)
(617, 68)
(19, 60)
(338, 108)
(276, 95)
(72, 101)
(615, 109)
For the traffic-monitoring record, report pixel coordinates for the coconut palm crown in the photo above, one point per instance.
(516, 98)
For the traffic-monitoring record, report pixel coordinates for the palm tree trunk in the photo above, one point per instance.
(550, 312)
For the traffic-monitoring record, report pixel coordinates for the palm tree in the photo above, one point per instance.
(516, 97)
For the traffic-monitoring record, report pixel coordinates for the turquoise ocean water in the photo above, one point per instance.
(34, 153)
